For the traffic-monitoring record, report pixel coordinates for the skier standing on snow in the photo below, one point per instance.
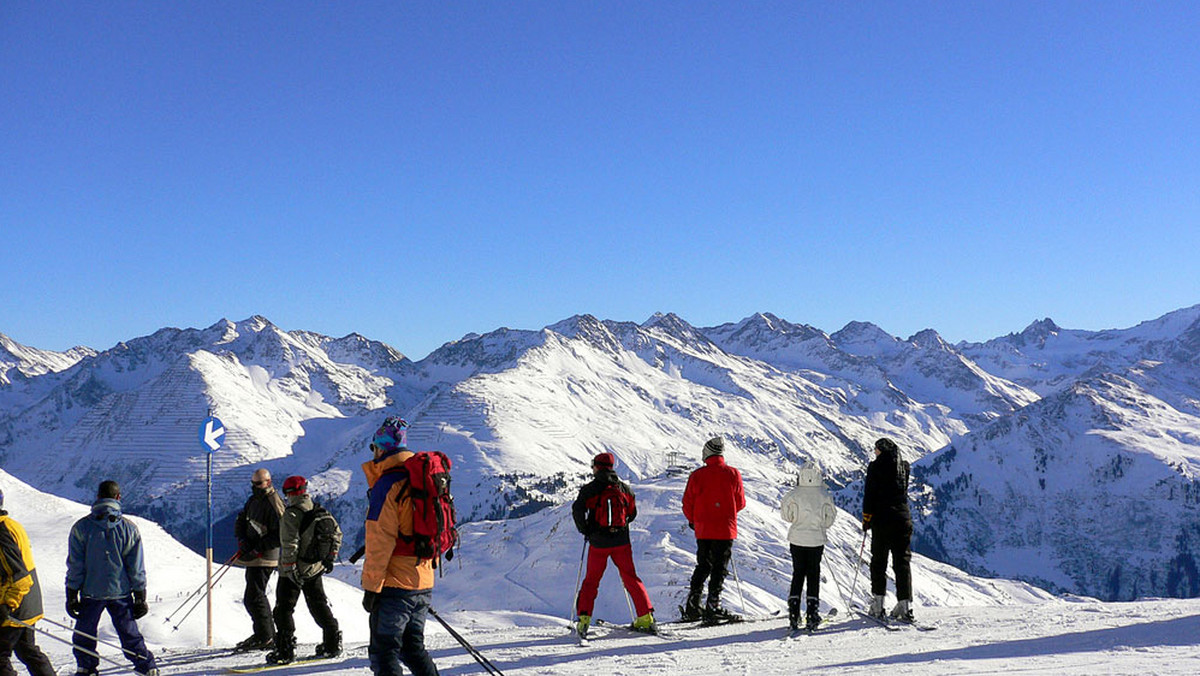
(397, 588)
(20, 600)
(602, 513)
(885, 512)
(711, 502)
(106, 571)
(257, 531)
(298, 576)
(810, 510)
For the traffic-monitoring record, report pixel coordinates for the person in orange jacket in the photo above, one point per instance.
(397, 588)
(711, 502)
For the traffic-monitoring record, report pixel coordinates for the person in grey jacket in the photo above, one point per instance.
(106, 572)
(296, 576)
(810, 510)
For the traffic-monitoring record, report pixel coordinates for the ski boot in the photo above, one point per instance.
(812, 618)
(793, 612)
(284, 652)
(903, 612)
(715, 614)
(876, 609)
(255, 643)
(581, 626)
(690, 610)
(332, 646)
(646, 623)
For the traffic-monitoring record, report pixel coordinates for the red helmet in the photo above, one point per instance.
(295, 485)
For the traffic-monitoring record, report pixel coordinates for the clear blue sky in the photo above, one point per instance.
(417, 171)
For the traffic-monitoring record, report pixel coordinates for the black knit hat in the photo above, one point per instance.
(887, 446)
(714, 446)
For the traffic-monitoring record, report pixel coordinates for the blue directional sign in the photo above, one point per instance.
(212, 434)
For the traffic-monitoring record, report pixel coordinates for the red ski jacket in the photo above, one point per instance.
(713, 498)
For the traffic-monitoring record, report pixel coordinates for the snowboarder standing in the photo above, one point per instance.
(885, 512)
(810, 510)
(296, 576)
(602, 513)
(397, 588)
(257, 531)
(20, 600)
(711, 502)
(106, 572)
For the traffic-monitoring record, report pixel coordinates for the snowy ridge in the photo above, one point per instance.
(522, 412)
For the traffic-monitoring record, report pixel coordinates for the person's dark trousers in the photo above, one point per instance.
(288, 592)
(891, 536)
(120, 611)
(398, 633)
(19, 640)
(256, 601)
(806, 569)
(712, 563)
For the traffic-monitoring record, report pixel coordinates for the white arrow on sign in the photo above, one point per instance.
(212, 436)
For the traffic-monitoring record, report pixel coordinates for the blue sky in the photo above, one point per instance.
(418, 171)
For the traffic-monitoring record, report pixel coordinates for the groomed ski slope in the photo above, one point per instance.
(1057, 637)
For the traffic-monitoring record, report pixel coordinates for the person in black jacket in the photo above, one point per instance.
(602, 513)
(885, 511)
(257, 531)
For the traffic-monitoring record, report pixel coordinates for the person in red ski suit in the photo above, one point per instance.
(711, 502)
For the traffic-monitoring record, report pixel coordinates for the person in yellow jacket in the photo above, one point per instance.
(397, 585)
(20, 600)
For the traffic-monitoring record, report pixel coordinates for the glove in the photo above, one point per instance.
(691, 525)
(4, 612)
(370, 601)
(140, 607)
(327, 567)
(866, 522)
(247, 556)
(74, 606)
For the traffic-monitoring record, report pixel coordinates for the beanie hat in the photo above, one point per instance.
(714, 446)
(604, 460)
(810, 475)
(392, 434)
(295, 485)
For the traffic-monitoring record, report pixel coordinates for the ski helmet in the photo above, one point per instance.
(295, 485)
(604, 460)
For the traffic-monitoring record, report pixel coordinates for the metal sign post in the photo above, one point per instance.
(212, 435)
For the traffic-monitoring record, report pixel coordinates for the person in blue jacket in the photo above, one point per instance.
(105, 571)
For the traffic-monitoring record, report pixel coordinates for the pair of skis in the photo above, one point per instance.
(894, 624)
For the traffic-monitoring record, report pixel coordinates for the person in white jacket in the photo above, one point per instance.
(810, 510)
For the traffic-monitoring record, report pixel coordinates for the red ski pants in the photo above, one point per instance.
(597, 561)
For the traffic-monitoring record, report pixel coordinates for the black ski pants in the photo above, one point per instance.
(288, 593)
(712, 563)
(891, 537)
(256, 601)
(19, 640)
(806, 568)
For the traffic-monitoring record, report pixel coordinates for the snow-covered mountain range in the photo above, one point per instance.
(522, 412)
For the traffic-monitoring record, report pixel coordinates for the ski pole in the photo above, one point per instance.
(841, 592)
(216, 580)
(858, 565)
(738, 580)
(200, 589)
(629, 603)
(483, 661)
(97, 639)
(85, 651)
(578, 578)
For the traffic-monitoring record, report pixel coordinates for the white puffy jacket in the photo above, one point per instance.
(809, 509)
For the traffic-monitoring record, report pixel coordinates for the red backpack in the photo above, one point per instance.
(610, 507)
(434, 533)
